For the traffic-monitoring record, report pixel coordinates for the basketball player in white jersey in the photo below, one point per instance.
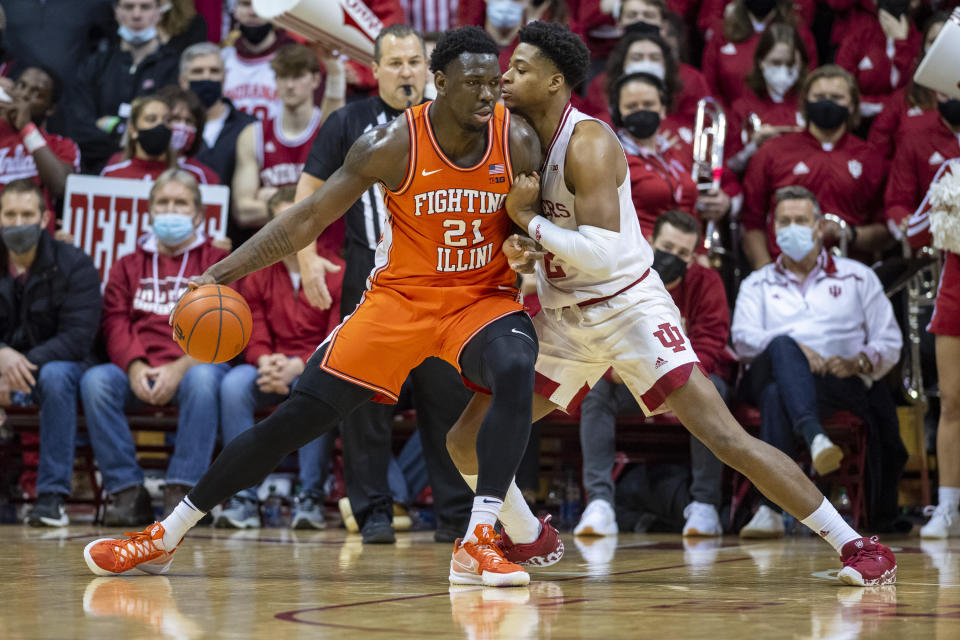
(603, 306)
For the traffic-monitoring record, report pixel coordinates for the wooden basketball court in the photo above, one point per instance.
(276, 583)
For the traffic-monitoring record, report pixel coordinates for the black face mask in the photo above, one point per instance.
(642, 27)
(827, 114)
(950, 110)
(669, 266)
(642, 124)
(155, 140)
(208, 91)
(896, 8)
(256, 35)
(760, 8)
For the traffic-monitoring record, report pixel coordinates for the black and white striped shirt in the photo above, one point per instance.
(365, 219)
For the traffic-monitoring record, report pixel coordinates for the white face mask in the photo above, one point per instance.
(645, 66)
(780, 79)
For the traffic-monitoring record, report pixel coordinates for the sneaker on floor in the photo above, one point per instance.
(239, 513)
(942, 523)
(142, 550)
(702, 520)
(378, 528)
(826, 455)
(48, 511)
(765, 523)
(308, 512)
(867, 563)
(598, 519)
(482, 562)
(129, 508)
(546, 550)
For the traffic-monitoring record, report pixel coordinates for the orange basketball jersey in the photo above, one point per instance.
(446, 224)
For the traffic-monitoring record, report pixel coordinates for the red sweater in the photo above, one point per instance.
(778, 114)
(710, 18)
(897, 116)
(138, 169)
(847, 180)
(702, 301)
(864, 52)
(660, 182)
(727, 64)
(137, 300)
(919, 155)
(284, 322)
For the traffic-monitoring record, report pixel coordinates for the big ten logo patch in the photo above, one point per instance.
(670, 337)
(106, 216)
(553, 209)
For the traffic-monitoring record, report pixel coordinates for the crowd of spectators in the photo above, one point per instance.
(822, 115)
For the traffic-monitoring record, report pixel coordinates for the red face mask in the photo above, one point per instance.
(183, 135)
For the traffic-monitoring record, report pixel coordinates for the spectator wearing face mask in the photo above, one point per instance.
(108, 81)
(202, 73)
(933, 139)
(648, 52)
(27, 149)
(880, 50)
(148, 151)
(146, 366)
(659, 174)
(779, 68)
(728, 56)
(249, 82)
(908, 104)
(502, 19)
(699, 295)
(49, 317)
(819, 335)
(187, 120)
(711, 13)
(845, 173)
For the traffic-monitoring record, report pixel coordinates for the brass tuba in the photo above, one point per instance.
(708, 139)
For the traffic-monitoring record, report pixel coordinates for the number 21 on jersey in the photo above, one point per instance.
(450, 258)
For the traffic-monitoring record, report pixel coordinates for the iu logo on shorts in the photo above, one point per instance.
(670, 337)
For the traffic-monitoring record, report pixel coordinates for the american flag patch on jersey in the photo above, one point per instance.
(496, 168)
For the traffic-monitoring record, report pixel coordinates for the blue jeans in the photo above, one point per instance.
(56, 395)
(240, 397)
(106, 394)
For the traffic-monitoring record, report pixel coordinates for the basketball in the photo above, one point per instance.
(212, 323)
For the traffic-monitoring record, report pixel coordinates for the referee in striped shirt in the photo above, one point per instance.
(400, 67)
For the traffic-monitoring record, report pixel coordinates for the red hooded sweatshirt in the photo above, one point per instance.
(142, 289)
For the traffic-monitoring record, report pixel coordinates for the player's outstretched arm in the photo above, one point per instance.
(379, 155)
(595, 165)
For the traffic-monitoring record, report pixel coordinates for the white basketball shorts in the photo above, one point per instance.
(638, 332)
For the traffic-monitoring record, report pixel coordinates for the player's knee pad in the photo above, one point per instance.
(505, 350)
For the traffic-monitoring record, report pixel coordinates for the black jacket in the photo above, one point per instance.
(222, 157)
(106, 80)
(58, 314)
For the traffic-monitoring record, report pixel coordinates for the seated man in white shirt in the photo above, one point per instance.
(818, 332)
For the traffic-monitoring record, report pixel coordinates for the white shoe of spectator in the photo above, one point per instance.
(702, 520)
(598, 519)
(942, 523)
(239, 513)
(765, 523)
(826, 455)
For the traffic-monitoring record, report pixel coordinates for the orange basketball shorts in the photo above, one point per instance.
(393, 330)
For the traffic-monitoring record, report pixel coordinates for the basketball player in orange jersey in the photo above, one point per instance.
(441, 287)
(603, 306)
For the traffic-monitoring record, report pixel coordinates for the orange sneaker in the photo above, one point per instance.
(142, 550)
(482, 562)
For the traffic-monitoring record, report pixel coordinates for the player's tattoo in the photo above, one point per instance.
(269, 245)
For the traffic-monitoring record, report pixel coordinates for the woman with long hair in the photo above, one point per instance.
(779, 68)
(728, 57)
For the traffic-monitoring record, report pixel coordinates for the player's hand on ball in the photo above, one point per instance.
(523, 201)
(192, 284)
(522, 253)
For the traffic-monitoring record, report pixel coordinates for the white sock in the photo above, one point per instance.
(486, 510)
(949, 497)
(176, 525)
(830, 526)
(515, 516)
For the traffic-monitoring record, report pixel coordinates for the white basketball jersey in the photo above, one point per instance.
(250, 84)
(560, 284)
